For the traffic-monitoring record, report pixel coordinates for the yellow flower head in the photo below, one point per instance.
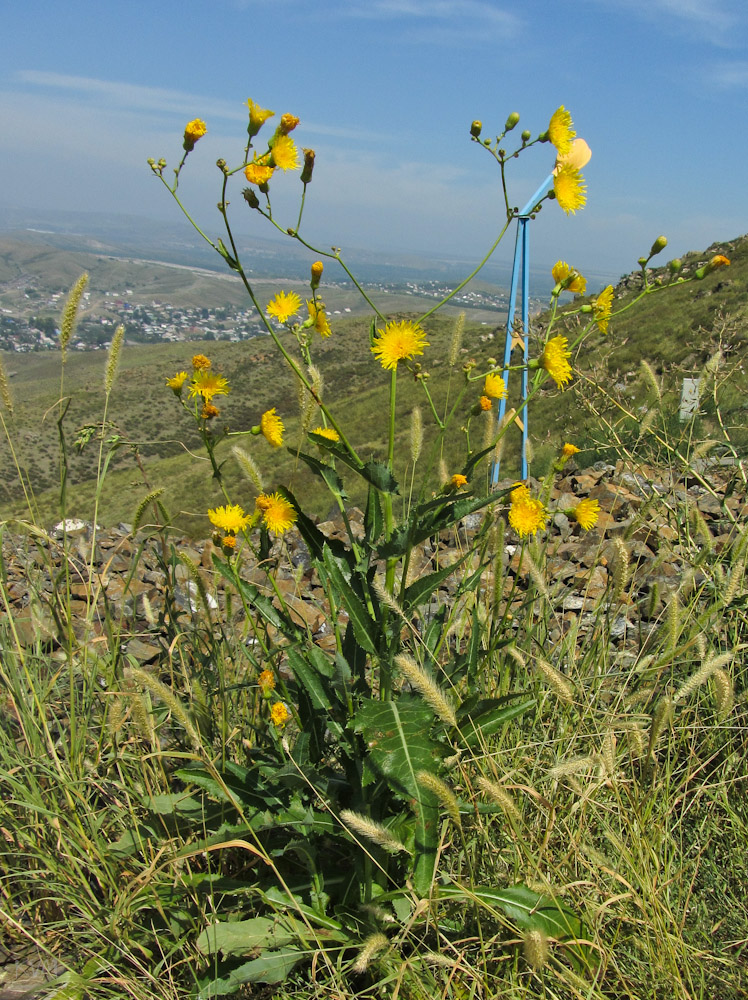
(209, 411)
(230, 518)
(319, 316)
(570, 189)
(572, 280)
(287, 124)
(526, 514)
(258, 173)
(266, 681)
(284, 305)
(278, 514)
(193, 131)
(284, 153)
(601, 308)
(561, 131)
(317, 269)
(272, 428)
(207, 384)
(327, 432)
(568, 451)
(177, 382)
(279, 714)
(555, 360)
(485, 403)
(586, 513)
(257, 117)
(200, 362)
(719, 260)
(229, 541)
(399, 341)
(494, 386)
(457, 481)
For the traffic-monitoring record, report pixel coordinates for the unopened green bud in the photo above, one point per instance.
(221, 164)
(476, 128)
(251, 198)
(659, 245)
(511, 121)
(586, 308)
(306, 172)
(526, 135)
(675, 265)
(642, 262)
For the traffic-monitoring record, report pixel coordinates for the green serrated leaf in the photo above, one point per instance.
(373, 518)
(397, 736)
(364, 626)
(420, 591)
(478, 727)
(380, 477)
(322, 469)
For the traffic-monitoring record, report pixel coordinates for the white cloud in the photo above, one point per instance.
(729, 75)
(719, 22)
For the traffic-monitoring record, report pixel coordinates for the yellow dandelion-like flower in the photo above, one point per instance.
(266, 681)
(288, 123)
(194, 130)
(200, 362)
(278, 514)
(561, 131)
(207, 384)
(554, 360)
(320, 321)
(485, 402)
(719, 260)
(317, 269)
(570, 189)
(327, 432)
(229, 541)
(257, 172)
(586, 513)
(457, 481)
(399, 341)
(230, 518)
(284, 305)
(272, 428)
(257, 117)
(177, 382)
(526, 514)
(562, 273)
(279, 714)
(284, 153)
(601, 308)
(494, 386)
(209, 411)
(568, 451)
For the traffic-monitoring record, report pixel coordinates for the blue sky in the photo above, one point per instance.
(386, 91)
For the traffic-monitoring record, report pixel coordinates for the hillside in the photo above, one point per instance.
(676, 330)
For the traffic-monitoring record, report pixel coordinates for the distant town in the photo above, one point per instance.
(31, 321)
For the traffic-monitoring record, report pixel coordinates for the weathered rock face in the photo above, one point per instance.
(108, 573)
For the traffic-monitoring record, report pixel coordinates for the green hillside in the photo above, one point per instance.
(677, 330)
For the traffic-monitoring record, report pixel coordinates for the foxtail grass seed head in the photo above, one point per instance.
(537, 575)
(653, 599)
(116, 717)
(373, 944)
(112, 363)
(673, 622)
(502, 798)
(694, 681)
(378, 834)
(661, 718)
(620, 568)
(386, 598)
(636, 740)
(724, 692)
(735, 585)
(535, 948)
(651, 379)
(556, 681)
(456, 342)
(140, 510)
(5, 389)
(568, 768)
(416, 434)
(249, 467)
(148, 613)
(608, 754)
(443, 471)
(70, 313)
(426, 687)
(443, 792)
(647, 422)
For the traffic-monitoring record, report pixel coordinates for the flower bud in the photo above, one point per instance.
(511, 121)
(659, 244)
(287, 124)
(194, 130)
(317, 269)
(642, 261)
(719, 260)
(675, 265)
(306, 170)
(526, 135)
(251, 198)
(221, 164)
(476, 129)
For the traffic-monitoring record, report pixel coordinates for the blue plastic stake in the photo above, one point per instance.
(521, 259)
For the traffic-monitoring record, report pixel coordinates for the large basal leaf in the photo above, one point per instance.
(397, 736)
(273, 967)
(527, 909)
(242, 937)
